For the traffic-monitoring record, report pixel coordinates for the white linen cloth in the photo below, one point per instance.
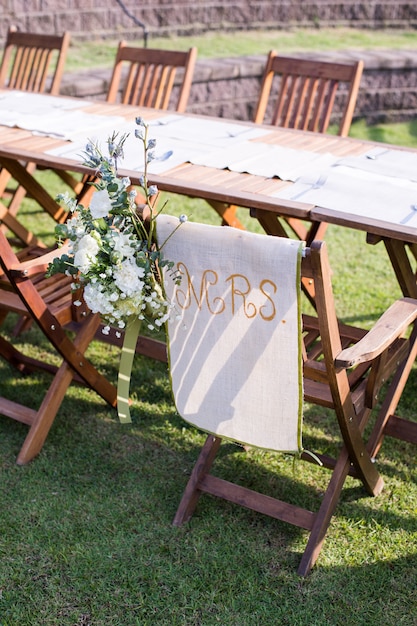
(52, 115)
(360, 193)
(235, 346)
(385, 162)
(202, 141)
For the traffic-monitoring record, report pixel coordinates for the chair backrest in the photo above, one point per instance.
(150, 77)
(306, 93)
(31, 59)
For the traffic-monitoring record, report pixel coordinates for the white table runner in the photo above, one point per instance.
(358, 192)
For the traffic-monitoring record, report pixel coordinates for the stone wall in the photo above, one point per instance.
(229, 87)
(106, 18)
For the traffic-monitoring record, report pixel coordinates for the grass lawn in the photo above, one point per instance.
(99, 53)
(85, 530)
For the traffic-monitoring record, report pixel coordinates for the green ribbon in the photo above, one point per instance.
(125, 369)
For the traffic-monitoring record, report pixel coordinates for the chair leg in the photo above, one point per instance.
(328, 505)
(201, 468)
(41, 426)
(325, 513)
(73, 365)
(320, 521)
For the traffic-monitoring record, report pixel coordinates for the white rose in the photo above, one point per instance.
(100, 204)
(87, 249)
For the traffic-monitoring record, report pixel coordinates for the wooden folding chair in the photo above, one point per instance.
(301, 94)
(29, 59)
(31, 62)
(150, 78)
(343, 369)
(25, 290)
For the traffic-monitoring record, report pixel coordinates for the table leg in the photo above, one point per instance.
(34, 189)
(401, 262)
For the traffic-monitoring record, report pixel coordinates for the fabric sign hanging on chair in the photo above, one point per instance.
(235, 345)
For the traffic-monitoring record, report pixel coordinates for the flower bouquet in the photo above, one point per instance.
(113, 255)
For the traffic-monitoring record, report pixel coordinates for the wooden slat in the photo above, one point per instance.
(257, 502)
(11, 409)
(401, 429)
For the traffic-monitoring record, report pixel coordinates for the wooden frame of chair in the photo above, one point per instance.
(151, 76)
(35, 63)
(27, 60)
(344, 369)
(307, 92)
(49, 302)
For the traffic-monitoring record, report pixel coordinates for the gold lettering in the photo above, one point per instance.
(186, 296)
(218, 305)
(262, 313)
(248, 307)
(240, 292)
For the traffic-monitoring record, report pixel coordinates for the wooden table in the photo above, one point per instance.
(225, 187)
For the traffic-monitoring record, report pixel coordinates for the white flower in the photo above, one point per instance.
(100, 204)
(75, 226)
(97, 300)
(127, 277)
(109, 246)
(85, 256)
(124, 245)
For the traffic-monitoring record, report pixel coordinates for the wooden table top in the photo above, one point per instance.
(210, 183)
